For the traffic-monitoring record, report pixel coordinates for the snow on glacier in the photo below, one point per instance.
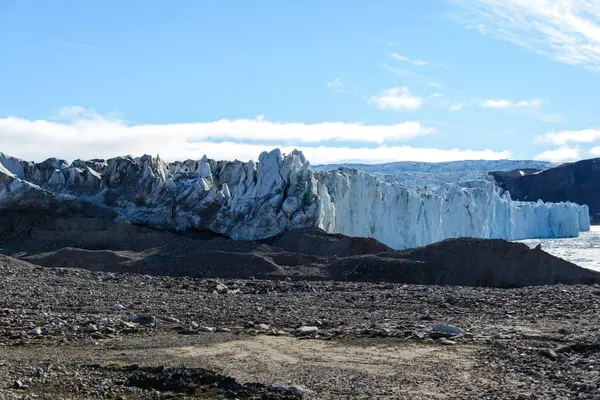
(415, 174)
(254, 200)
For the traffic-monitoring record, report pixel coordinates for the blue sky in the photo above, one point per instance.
(377, 81)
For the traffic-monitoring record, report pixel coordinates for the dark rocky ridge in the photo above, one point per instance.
(578, 182)
(75, 235)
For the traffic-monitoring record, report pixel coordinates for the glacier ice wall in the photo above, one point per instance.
(253, 200)
(404, 217)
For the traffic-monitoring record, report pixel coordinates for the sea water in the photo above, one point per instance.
(583, 250)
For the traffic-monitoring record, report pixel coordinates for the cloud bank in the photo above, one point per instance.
(564, 140)
(79, 133)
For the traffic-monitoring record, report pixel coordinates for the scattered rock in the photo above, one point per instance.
(307, 330)
(36, 331)
(116, 307)
(221, 288)
(188, 330)
(291, 389)
(446, 342)
(263, 327)
(170, 320)
(443, 330)
(549, 353)
(145, 320)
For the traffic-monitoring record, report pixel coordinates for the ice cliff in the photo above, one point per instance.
(253, 200)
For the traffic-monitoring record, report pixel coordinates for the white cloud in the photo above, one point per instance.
(561, 154)
(535, 103)
(456, 106)
(341, 86)
(399, 57)
(450, 105)
(564, 137)
(417, 62)
(413, 76)
(595, 151)
(401, 72)
(396, 98)
(566, 30)
(337, 83)
(531, 107)
(95, 136)
(84, 126)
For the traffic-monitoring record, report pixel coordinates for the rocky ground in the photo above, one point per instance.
(79, 334)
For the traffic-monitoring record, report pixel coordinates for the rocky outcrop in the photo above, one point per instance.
(315, 241)
(256, 200)
(577, 182)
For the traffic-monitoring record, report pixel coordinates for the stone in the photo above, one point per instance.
(221, 288)
(549, 353)
(206, 329)
(263, 327)
(90, 328)
(36, 331)
(307, 330)
(127, 324)
(170, 320)
(194, 325)
(446, 342)
(97, 335)
(116, 307)
(444, 330)
(291, 389)
(145, 320)
(188, 330)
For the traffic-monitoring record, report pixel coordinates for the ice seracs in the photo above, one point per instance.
(254, 200)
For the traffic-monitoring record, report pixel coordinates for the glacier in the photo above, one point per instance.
(433, 174)
(254, 200)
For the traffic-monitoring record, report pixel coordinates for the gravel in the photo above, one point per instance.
(60, 337)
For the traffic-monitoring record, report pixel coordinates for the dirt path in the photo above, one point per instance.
(323, 369)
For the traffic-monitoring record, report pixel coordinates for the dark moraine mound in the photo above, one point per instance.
(578, 182)
(466, 262)
(78, 237)
(317, 242)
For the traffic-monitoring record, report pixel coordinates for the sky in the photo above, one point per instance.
(342, 80)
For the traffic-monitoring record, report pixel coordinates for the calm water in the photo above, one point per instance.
(583, 250)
